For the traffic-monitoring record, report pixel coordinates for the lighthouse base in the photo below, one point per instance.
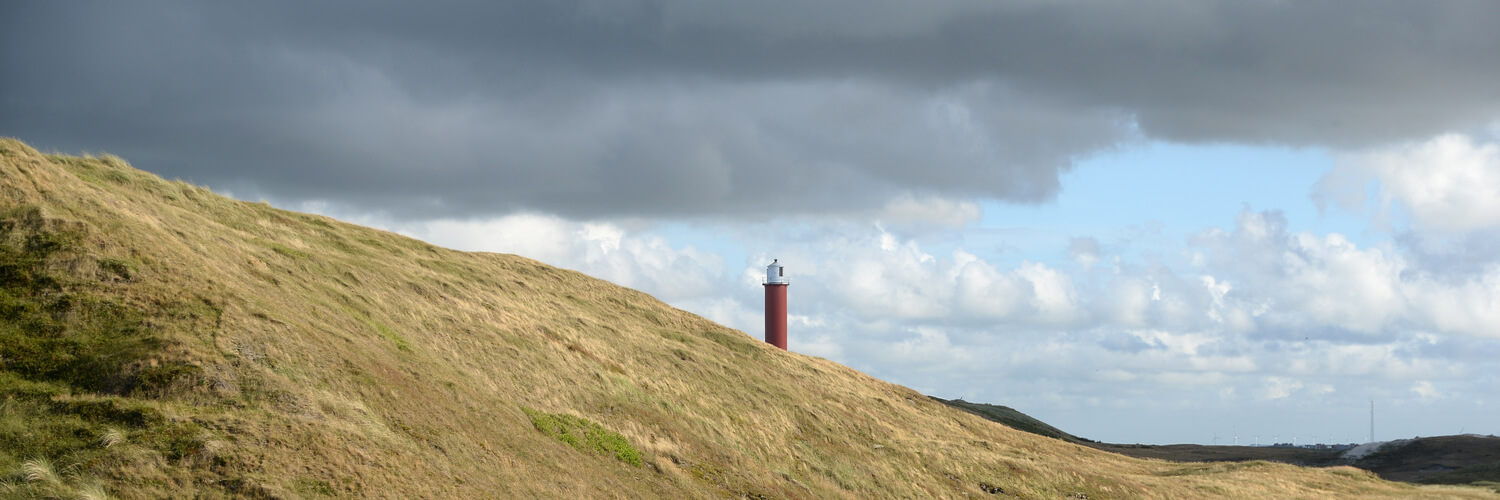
(776, 315)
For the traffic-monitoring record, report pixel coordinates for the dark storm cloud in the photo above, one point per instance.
(686, 107)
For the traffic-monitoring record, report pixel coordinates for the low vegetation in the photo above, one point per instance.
(584, 435)
(162, 341)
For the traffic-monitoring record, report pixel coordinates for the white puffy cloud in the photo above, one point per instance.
(1052, 293)
(1448, 184)
(1471, 306)
(874, 273)
(878, 275)
(1301, 282)
(1334, 282)
(1283, 387)
(986, 292)
(1304, 322)
(1425, 389)
(1279, 387)
(1257, 278)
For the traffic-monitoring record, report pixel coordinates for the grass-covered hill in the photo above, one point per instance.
(160, 341)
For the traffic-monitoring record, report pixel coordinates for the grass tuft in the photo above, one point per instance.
(40, 470)
(111, 437)
(91, 491)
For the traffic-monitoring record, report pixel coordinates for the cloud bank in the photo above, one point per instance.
(674, 108)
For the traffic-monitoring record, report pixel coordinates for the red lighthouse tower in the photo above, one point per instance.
(776, 283)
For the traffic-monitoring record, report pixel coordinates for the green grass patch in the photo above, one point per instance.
(672, 335)
(105, 171)
(317, 487)
(289, 251)
(349, 307)
(382, 246)
(738, 343)
(1216, 468)
(392, 336)
(71, 358)
(584, 434)
(54, 327)
(46, 421)
(120, 268)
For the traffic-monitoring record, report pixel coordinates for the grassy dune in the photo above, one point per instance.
(162, 341)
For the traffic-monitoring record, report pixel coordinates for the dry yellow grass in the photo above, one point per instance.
(300, 356)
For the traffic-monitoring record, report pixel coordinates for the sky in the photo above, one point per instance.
(1161, 221)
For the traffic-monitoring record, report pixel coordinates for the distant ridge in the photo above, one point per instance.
(1468, 459)
(161, 341)
(1460, 459)
(1013, 418)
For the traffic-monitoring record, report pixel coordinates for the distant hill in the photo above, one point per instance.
(1176, 452)
(1012, 418)
(1467, 459)
(1464, 459)
(161, 341)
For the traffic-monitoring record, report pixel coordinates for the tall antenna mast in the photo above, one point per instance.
(1372, 420)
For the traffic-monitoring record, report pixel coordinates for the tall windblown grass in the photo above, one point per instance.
(40, 470)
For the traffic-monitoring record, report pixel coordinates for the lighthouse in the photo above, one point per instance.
(776, 283)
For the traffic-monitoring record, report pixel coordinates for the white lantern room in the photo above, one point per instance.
(776, 274)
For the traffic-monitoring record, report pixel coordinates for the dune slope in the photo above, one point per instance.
(158, 340)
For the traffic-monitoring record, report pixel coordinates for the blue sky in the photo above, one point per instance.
(1171, 188)
(1152, 221)
(1146, 188)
